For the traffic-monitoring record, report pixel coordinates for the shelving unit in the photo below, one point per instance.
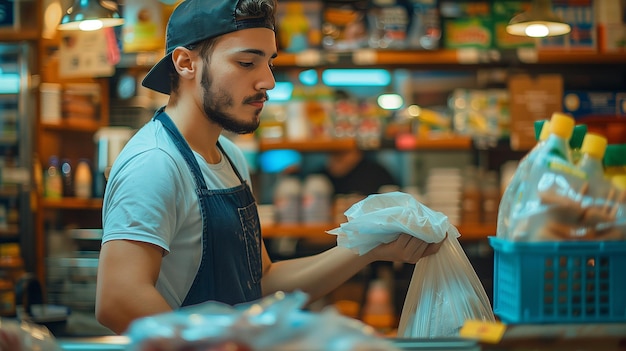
(75, 140)
(71, 139)
(445, 57)
(317, 232)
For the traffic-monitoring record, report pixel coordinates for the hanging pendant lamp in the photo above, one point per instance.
(539, 21)
(91, 15)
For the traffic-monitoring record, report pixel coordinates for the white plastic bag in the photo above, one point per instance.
(18, 335)
(444, 291)
(272, 323)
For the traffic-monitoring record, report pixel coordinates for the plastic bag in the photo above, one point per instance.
(272, 323)
(24, 336)
(561, 202)
(444, 290)
(380, 218)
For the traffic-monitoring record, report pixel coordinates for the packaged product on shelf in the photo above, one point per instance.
(53, 182)
(425, 27)
(298, 25)
(388, 22)
(344, 25)
(466, 24)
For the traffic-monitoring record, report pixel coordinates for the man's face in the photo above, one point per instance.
(236, 80)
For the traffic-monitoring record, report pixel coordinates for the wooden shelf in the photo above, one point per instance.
(9, 233)
(72, 203)
(573, 57)
(318, 231)
(66, 126)
(311, 145)
(444, 142)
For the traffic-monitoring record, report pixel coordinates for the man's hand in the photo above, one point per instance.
(406, 248)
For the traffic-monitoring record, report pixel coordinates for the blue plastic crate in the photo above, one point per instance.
(559, 282)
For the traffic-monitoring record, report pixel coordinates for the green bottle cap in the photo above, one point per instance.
(576, 141)
(615, 155)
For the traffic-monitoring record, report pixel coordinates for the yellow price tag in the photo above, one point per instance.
(490, 332)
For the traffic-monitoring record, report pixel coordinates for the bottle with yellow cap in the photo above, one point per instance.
(592, 150)
(518, 179)
(619, 181)
(554, 155)
(561, 130)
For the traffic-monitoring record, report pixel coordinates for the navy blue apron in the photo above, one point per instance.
(230, 269)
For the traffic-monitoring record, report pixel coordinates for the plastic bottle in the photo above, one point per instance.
(68, 178)
(512, 189)
(83, 180)
(525, 199)
(317, 199)
(53, 182)
(593, 150)
(557, 143)
(287, 199)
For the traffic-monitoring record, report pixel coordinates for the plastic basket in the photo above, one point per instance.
(559, 282)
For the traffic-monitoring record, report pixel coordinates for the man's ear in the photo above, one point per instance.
(183, 62)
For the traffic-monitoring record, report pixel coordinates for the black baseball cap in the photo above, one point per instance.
(193, 21)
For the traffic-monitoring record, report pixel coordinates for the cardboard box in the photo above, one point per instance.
(532, 99)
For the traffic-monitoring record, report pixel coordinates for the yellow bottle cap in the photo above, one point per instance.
(562, 125)
(594, 145)
(545, 131)
(619, 181)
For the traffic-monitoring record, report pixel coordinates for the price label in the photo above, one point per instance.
(490, 332)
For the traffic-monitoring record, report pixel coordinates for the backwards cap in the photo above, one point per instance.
(193, 21)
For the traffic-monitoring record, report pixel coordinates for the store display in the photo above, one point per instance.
(423, 32)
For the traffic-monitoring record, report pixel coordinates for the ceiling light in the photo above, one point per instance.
(539, 21)
(91, 15)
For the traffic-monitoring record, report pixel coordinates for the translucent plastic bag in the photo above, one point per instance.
(274, 323)
(560, 202)
(444, 291)
(25, 336)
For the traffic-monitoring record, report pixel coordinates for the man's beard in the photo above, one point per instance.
(215, 103)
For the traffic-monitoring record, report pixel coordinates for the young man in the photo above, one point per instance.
(179, 218)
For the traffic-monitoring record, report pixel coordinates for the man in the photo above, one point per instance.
(180, 225)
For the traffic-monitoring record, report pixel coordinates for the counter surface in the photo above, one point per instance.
(592, 337)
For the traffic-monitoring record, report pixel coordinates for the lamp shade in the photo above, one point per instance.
(539, 21)
(90, 15)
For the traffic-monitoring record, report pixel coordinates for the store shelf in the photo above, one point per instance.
(9, 233)
(587, 58)
(318, 231)
(443, 142)
(67, 126)
(72, 203)
(469, 56)
(309, 145)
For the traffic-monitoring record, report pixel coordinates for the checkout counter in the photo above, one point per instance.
(581, 337)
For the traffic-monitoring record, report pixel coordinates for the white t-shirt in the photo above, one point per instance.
(150, 197)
